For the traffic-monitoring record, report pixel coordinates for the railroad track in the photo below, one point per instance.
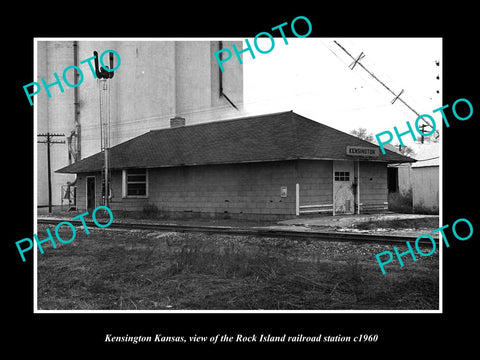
(266, 232)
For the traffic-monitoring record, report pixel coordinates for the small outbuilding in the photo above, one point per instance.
(419, 183)
(268, 166)
(426, 179)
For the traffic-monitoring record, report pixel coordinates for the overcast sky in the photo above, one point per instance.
(311, 77)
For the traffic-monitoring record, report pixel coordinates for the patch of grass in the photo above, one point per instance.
(121, 269)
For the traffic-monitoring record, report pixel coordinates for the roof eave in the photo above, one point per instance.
(70, 169)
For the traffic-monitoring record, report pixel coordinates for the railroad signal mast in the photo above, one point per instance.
(103, 75)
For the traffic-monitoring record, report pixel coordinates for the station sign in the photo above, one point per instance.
(363, 151)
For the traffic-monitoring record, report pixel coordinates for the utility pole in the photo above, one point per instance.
(48, 140)
(423, 128)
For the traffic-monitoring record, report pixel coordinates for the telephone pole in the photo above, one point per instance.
(48, 140)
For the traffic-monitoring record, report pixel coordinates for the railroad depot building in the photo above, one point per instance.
(268, 166)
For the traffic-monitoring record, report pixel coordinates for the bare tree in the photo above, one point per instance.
(362, 134)
(407, 151)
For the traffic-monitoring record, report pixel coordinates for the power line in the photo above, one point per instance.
(432, 158)
(356, 61)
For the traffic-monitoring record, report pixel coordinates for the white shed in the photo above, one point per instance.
(425, 177)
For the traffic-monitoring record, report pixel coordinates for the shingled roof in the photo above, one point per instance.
(270, 137)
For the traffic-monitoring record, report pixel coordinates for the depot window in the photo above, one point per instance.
(342, 176)
(134, 183)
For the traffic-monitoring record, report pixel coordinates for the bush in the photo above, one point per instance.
(400, 202)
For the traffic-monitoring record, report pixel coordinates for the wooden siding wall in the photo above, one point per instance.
(229, 189)
(373, 183)
(426, 185)
(250, 188)
(316, 182)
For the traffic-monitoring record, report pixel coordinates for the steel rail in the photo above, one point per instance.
(264, 232)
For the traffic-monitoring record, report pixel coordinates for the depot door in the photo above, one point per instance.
(90, 193)
(343, 191)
